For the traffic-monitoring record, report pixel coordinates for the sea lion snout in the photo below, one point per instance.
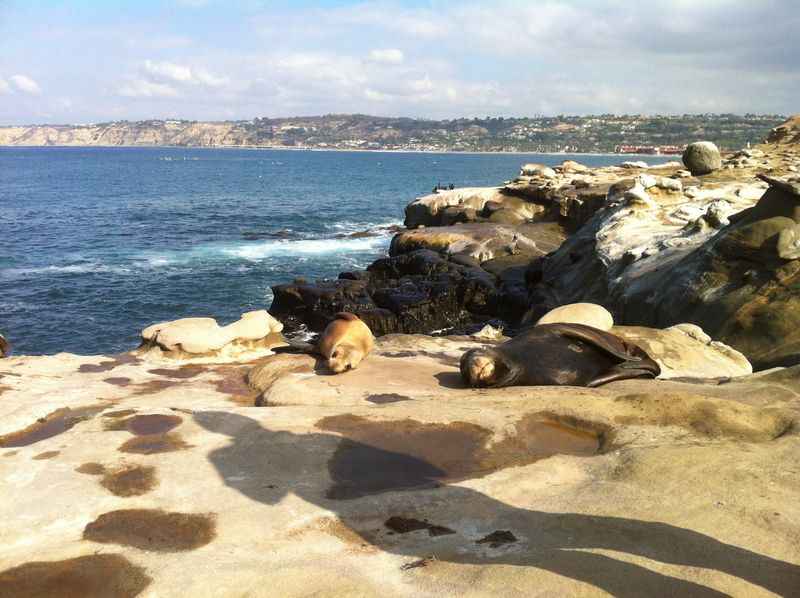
(478, 368)
(344, 358)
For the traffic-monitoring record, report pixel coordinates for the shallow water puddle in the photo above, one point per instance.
(56, 423)
(379, 456)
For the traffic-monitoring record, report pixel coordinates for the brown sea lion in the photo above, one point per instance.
(345, 342)
(557, 354)
(5, 347)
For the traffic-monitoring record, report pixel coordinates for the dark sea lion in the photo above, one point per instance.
(5, 347)
(557, 354)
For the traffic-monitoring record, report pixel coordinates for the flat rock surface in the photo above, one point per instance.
(147, 477)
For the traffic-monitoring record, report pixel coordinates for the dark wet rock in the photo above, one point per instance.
(413, 292)
(432, 280)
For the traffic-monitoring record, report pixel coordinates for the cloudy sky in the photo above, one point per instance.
(90, 61)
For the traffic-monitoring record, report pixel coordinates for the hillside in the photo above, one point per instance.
(606, 133)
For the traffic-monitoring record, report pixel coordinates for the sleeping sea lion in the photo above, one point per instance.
(345, 342)
(557, 354)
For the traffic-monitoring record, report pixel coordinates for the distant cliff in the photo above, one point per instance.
(605, 133)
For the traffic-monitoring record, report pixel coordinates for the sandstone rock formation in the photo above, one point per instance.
(203, 337)
(122, 475)
(702, 157)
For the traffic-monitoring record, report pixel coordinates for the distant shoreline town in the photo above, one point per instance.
(627, 134)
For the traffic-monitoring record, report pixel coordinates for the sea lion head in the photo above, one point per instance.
(343, 358)
(481, 367)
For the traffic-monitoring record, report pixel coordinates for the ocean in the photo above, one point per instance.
(98, 243)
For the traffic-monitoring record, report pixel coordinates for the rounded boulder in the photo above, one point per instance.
(702, 157)
(589, 314)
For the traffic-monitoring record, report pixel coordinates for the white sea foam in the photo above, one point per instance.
(68, 269)
(306, 247)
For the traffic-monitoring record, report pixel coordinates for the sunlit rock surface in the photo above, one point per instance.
(151, 476)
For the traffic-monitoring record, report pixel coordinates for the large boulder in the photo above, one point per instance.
(204, 337)
(702, 157)
(5, 347)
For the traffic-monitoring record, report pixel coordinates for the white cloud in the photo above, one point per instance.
(175, 73)
(4, 86)
(387, 56)
(141, 88)
(168, 70)
(25, 84)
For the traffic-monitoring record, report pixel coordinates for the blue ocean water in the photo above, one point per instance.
(98, 243)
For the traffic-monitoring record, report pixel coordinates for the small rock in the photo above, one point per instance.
(573, 166)
(647, 180)
(670, 184)
(718, 212)
(789, 243)
(636, 164)
(538, 170)
(638, 197)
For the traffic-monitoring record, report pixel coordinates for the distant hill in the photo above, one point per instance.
(604, 133)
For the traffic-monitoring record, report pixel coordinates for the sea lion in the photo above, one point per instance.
(345, 342)
(557, 354)
(5, 347)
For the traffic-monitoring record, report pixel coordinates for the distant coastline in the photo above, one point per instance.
(332, 150)
(593, 135)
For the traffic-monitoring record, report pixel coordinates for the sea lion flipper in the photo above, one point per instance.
(294, 347)
(621, 372)
(600, 339)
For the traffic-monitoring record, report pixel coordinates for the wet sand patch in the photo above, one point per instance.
(57, 422)
(91, 576)
(46, 455)
(130, 480)
(154, 444)
(152, 529)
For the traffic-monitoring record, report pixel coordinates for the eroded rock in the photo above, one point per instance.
(203, 337)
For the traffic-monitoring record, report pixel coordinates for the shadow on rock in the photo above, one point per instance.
(418, 490)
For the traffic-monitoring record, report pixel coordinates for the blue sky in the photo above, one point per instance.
(91, 61)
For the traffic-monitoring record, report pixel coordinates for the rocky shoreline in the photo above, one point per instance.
(211, 462)
(656, 246)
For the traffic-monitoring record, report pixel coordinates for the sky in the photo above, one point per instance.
(87, 61)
